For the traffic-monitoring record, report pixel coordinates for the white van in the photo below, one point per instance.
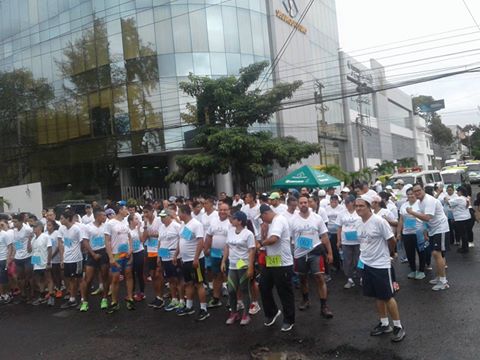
(426, 178)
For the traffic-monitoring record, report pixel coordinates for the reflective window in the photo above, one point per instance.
(201, 64)
(245, 31)
(233, 64)
(184, 64)
(166, 64)
(181, 33)
(215, 29)
(163, 32)
(198, 27)
(218, 63)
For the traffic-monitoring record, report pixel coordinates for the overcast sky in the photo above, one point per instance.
(399, 33)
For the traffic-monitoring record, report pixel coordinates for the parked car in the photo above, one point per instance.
(78, 206)
(424, 177)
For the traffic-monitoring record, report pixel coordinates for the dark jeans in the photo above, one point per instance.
(336, 255)
(461, 229)
(281, 278)
(138, 262)
(471, 224)
(453, 233)
(411, 247)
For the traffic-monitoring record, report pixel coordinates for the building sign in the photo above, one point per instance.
(292, 10)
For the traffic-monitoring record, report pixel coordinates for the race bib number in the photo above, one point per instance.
(152, 243)
(98, 242)
(241, 264)
(67, 242)
(216, 253)
(136, 244)
(274, 260)
(351, 236)
(123, 248)
(305, 243)
(164, 253)
(187, 233)
(36, 260)
(18, 245)
(410, 223)
(360, 264)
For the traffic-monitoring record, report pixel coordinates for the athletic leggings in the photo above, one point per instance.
(138, 261)
(411, 246)
(237, 279)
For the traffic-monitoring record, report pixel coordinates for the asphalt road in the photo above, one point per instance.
(440, 325)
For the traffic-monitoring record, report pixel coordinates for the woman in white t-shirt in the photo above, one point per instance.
(136, 234)
(41, 249)
(461, 215)
(240, 252)
(54, 277)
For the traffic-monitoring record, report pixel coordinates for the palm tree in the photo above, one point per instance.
(4, 202)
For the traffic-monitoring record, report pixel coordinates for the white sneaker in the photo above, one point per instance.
(440, 286)
(254, 308)
(350, 284)
(470, 245)
(240, 305)
(434, 281)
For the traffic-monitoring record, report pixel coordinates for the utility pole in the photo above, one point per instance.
(321, 123)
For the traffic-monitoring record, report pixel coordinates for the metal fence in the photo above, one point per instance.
(136, 192)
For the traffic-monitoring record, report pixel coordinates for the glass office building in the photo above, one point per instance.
(92, 85)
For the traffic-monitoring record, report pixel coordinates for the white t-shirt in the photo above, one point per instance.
(169, 238)
(349, 223)
(40, 247)
(54, 241)
(324, 202)
(218, 230)
(119, 234)
(459, 206)
(136, 242)
(207, 219)
(5, 241)
(333, 214)
(280, 228)
(253, 215)
(236, 203)
(96, 235)
(198, 216)
(20, 238)
(280, 209)
(410, 223)
(306, 232)
(439, 222)
(238, 246)
(323, 214)
(190, 234)
(72, 239)
(87, 219)
(153, 231)
(374, 235)
(393, 209)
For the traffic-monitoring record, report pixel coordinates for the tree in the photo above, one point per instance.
(386, 167)
(225, 111)
(407, 162)
(441, 134)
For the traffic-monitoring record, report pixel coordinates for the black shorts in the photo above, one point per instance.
(377, 283)
(73, 270)
(152, 263)
(39, 272)
(438, 242)
(98, 263)
(3, 272)
(24, 264)
(171, 270)
(190, 274)
(313, 263)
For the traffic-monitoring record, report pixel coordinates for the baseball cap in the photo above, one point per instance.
(399, 181)
(122, 203)
(367, 199)
(389, 187)
(240, 216)
(322, 193)
(172, 199)
(274, 196)
(163, 213)
(264, 208)
(346, 189)
(109, 212)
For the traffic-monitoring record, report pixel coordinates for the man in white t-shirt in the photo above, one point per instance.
(431, 212)
(310, 236)
(88, 218)
(41, 261)
(278, 269)
(209, 215)
(6, 257)
(237, 201)
(276, 203)
(377, 244)
(22, 235)
(190, 250)
(119, 246)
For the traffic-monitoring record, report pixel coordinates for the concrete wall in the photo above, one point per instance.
(24, 198)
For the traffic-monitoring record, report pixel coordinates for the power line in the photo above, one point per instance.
(473, 17)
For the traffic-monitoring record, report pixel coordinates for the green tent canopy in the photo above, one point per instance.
(306, 176)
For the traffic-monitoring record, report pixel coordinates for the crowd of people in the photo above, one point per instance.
(241, 248)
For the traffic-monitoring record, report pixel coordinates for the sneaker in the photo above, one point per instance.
(381, 329)
(403, 260)
(58, 294)
(104, 304)
(440, 286)
(434, 281)
(396, 286)
(429, 268)
(113, 308)
(185, 311)
(51, 301)
(328, 278)
(304, 305)
(157, 303)
(240, 306)
(232, 318)
(254, 308)
(419, 275)
(69, 304)
(97, 291)
(172, 305)
(84, 306)
(286, 327)
(412, 275)
(149, 278)
(349, 284)
(214, 303)
(326, 313)
(7, 299)
(130, 304)
(39, 301)
(202, 315)
(271, 321)
(398, 334)
(471, 245)
(139, 297)
(246, 319)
